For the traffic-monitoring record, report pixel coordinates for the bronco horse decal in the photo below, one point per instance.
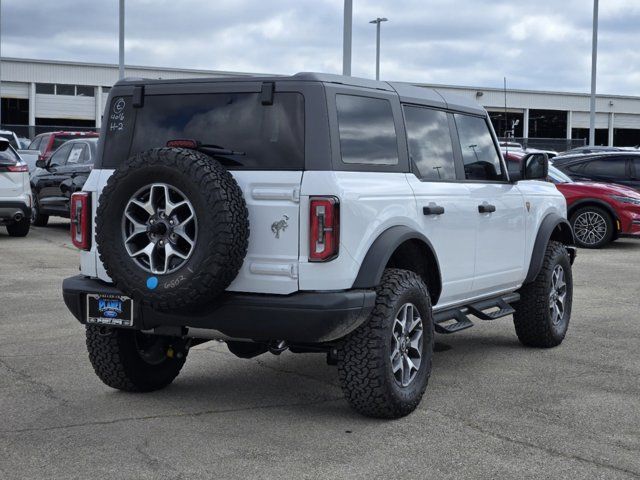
(279, 226)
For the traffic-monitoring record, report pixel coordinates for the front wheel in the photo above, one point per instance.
(385, 364)
(133, 361)
(593, 227)
(543, 312)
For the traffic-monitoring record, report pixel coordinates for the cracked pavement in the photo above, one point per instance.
(493, 409)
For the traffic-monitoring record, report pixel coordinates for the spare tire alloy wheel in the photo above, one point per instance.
(172, 228)
(159, 228)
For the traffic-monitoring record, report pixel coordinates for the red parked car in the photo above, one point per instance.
(47, 143)
(598, 212)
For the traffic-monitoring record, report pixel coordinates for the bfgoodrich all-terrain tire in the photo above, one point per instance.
(172, 228)
(132, 361)
(385, 364)
(543, 312)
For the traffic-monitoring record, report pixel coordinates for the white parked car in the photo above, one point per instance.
(315, 212)
(15, 191)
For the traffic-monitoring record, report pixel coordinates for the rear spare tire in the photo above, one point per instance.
(172, 228)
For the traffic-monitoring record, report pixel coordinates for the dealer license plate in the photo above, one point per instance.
(107, 309)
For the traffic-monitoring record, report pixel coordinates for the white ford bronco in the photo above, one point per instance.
(317, 213)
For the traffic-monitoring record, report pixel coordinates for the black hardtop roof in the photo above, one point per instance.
(408, 92)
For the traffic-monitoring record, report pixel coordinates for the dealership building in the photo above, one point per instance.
(39, 95)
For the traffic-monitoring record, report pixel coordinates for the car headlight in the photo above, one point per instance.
(630, 200)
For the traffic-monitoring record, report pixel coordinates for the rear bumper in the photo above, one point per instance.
(309, 317)
(9, 209)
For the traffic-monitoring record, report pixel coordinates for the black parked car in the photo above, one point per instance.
(58, 177)
(622, 168)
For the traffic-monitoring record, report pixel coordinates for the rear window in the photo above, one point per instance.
(271, 136)
(59, 140)
(11, 139)
(8, 156)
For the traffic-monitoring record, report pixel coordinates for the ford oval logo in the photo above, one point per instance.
(110, 314)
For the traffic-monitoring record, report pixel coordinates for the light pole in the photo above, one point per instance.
(378, 21)
(346, 37)
(0, 62)
(594, 61)
(121, 42)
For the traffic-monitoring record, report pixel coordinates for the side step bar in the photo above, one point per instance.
(455, 319)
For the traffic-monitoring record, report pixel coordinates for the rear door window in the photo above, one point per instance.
(479, 153)
(607, 168)
(367, 130)
(430, 146)
(270, 136)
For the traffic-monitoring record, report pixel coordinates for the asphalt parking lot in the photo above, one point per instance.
(493, 409)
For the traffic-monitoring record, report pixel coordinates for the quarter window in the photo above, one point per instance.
(430, 147)
(479, 153)
(367, 131)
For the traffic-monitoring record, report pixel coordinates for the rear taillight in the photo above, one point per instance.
(80, 220)
(19, 167)
(324, 223)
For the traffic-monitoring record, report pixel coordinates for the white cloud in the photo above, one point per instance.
(544, 44)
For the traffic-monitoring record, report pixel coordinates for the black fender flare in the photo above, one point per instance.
(547, 228)
(380, 252)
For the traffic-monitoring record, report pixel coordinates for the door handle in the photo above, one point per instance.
(486, 208)
(433, 209)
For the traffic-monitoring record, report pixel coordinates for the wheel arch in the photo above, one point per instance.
(553, 227)
(401, 247)
(595, 202)
(591, 202)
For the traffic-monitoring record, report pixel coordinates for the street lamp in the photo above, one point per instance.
(594, 63)
(378, 21)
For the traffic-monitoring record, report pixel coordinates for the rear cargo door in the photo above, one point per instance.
(273, 201)
(261, 126)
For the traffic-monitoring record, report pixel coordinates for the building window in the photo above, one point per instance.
(85, 91)
(46, 88)
(106, 89)
(65, 89)
(547, 124)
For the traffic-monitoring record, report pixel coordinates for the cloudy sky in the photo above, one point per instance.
(542, 44)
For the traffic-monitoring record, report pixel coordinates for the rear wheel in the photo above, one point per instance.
(133, 361)
(19, 229)
(384, 366)
(592, 227)
(38, 219)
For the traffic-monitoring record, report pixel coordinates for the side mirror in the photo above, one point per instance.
(534, 166)
(41, 163)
